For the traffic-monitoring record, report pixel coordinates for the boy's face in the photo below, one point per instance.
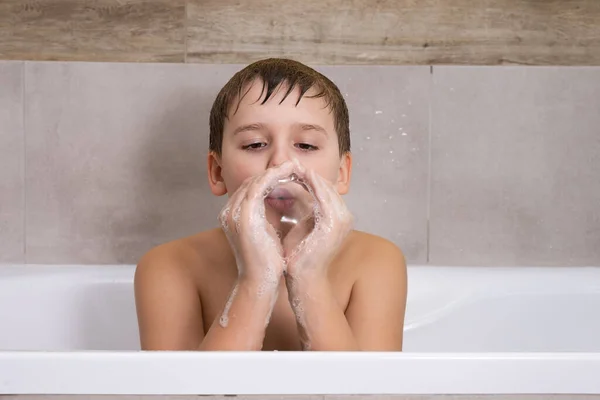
(259, 136)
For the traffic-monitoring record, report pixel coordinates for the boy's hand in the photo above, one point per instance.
(254, 241)
(332, 223)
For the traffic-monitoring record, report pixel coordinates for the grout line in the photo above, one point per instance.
(24, 125)
(185, 31)
(428, 229)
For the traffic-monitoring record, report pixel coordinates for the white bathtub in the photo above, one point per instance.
(73, 330)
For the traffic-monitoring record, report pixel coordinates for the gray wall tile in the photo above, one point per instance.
(515, 166)
(389, 124)
(116, 158)
(11, 156)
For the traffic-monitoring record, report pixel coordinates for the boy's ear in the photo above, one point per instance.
(344, 173)
(215, 177)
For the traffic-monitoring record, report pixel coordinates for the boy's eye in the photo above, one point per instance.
(306, 146)
(254, 146)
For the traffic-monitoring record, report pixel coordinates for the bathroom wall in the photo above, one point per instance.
(103, 150)
(457, 165)
(500, 32)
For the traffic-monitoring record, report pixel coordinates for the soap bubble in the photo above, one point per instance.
(289, 207)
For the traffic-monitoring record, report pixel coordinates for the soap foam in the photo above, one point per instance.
(298, 310)
(224, 320)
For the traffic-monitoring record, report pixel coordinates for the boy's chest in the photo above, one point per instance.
(282, 332)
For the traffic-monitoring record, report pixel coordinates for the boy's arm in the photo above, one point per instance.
(378, 301)
(242, 324)
(168, 307)
(170, 313)
(374, 319)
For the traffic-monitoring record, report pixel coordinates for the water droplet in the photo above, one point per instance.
(368, 137)
(403, 115)
(390, 137)
(385, 200)
(404, 133)
(391, 151)
(378, 112)
(374, 182)
(362, 148)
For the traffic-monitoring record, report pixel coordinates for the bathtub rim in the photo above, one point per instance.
(248, 373)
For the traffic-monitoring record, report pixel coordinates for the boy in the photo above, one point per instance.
(236, 287)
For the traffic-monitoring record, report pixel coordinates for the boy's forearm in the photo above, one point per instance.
(321, 321)
(243, 320)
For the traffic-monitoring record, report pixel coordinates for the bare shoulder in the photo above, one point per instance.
(183, 256)
(378, 302)
(372, 254)
(167, 292)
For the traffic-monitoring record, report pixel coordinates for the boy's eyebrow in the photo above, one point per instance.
(259, 126)
(248, 127)
(313, 127)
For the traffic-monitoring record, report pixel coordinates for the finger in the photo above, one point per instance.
(321, 193)
(339, 208)
(338, 204)
(299, 169)
(252, 215)
(269, 179)
(241, 191)
(236, 204)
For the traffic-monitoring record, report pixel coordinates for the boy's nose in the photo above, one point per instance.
(278, 157)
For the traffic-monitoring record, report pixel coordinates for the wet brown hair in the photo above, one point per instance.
(275, 73)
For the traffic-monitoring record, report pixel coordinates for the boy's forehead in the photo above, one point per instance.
(255, 92)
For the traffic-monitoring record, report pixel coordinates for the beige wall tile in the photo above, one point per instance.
(396, 32)
(105, 30)
(317, 31)
(116, 158)
(12, 159)
(515, 166)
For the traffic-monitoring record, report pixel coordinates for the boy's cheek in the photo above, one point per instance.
(236, 178)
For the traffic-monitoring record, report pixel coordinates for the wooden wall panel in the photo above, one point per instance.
(417, 32)
(475, 32)
(93, 30)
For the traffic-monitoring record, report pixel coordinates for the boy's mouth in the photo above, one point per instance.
(281, 200)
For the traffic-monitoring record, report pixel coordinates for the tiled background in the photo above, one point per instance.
(458, 165)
